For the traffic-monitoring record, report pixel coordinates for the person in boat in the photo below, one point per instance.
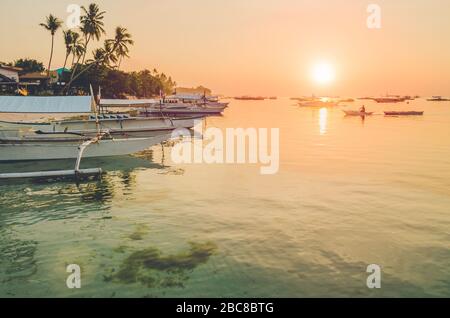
(362, 109)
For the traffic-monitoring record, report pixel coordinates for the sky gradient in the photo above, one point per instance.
(261, 47)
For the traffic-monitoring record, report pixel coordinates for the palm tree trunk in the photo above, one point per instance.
(78, 75)
(73, 78)
(85, 48)
(65, 61)
(74, 67)
(51, 56)
(73, 61)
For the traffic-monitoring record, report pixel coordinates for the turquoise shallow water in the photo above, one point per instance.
(349, 193)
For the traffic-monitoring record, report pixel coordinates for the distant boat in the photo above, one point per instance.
(250, 98)
(438, 99)
(305, 98)
(403, 113)
(389, 99)
(356, 113)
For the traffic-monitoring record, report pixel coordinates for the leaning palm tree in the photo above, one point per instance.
(108, 54)
(51, 24)
(103, 56)
(123, 40)
(77, 48)
(68, 42)
(91, 25)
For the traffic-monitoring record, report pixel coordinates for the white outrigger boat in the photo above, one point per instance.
(120, 126)
(71, 139)
(197, 99)
(174, 106)
(178, 109)
(29, 145)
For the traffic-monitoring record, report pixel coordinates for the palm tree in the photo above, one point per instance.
(108, 54)
(91, 25)
(103, 56)
(68, 42)
(51, 24)
(77, 47)
(123, 39)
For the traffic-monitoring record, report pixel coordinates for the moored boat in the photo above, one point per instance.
(33, 146)
(389, 99)
(181, 110)
(250, 98)
(438, 99)
(120, 126)
(403, 113)
(356, 113)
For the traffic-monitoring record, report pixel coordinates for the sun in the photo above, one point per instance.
(323, 73)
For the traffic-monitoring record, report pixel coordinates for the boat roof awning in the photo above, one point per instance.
(53, 104)
(191, 96)
(186, 96)
(127, 102)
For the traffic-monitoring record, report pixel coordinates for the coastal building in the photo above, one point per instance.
(60, 75)
(35, 78)
(9, 72)
(9, 79)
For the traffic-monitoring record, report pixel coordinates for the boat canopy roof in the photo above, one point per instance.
(127, 102)
(190, 96)
(53, 104)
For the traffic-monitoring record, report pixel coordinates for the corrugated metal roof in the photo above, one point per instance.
(53, 104)
(191, 96)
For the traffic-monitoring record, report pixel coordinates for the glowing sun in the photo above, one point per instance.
(323, 73)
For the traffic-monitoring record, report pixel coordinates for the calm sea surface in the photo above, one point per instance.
(349, 193)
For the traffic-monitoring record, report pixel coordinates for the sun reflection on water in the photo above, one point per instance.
(323, 120)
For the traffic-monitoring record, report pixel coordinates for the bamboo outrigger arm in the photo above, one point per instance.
(77, 172)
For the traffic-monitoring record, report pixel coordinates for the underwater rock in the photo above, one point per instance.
(139, 233)
(149, 267)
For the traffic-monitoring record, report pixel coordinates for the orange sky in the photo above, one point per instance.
(264, 47)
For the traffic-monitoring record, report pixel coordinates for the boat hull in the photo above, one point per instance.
(357, 113)
(123, 128)
(411, 113)
(86, 125)
(24, 150)
(185, 112)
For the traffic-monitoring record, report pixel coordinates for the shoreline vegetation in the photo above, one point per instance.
(100, 68)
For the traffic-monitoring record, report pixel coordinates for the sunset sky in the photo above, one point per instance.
(262, 47)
